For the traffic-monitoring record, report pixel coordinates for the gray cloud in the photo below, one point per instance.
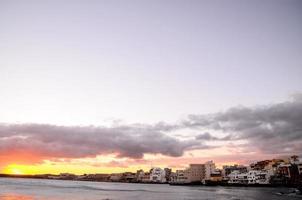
(274, 128)
(61, 141)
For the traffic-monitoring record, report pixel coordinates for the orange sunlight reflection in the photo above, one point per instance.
(15, 197)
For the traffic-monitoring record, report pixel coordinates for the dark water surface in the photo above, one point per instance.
(32, 189)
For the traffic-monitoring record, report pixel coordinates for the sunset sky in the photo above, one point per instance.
(110, 86)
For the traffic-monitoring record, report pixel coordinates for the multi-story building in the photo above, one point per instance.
(235, 177)
(168, 172)
(251, 177)
(173, 177)
(226, 170)
(142, 177)
(181, 177)
(258, 177)
(139, 175)
(260, 165)
(288, 172)
(196, 173)
(209, 168)
(158, 175)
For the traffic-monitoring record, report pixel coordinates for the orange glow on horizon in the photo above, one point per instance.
(112, 164)
(64, 168)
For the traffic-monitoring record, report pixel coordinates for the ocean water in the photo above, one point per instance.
(36, 189)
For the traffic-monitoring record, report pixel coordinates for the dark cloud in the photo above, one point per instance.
(275, 128)
(61, 141)
(205, 136)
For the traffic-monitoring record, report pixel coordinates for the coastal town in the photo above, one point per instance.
(274, 172)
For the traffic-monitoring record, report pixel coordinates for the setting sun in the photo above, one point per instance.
(12, 169)
(16, 171)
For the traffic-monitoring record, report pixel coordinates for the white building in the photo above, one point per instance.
(235, 177)
(158, 175)
(252, 177)
(209, 169)
(258, 177)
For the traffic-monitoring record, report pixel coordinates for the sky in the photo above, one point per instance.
(109, 86)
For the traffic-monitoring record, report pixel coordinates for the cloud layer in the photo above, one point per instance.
(271, 129)
(73, 142)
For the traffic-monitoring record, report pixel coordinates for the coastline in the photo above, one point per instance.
(197, 184)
